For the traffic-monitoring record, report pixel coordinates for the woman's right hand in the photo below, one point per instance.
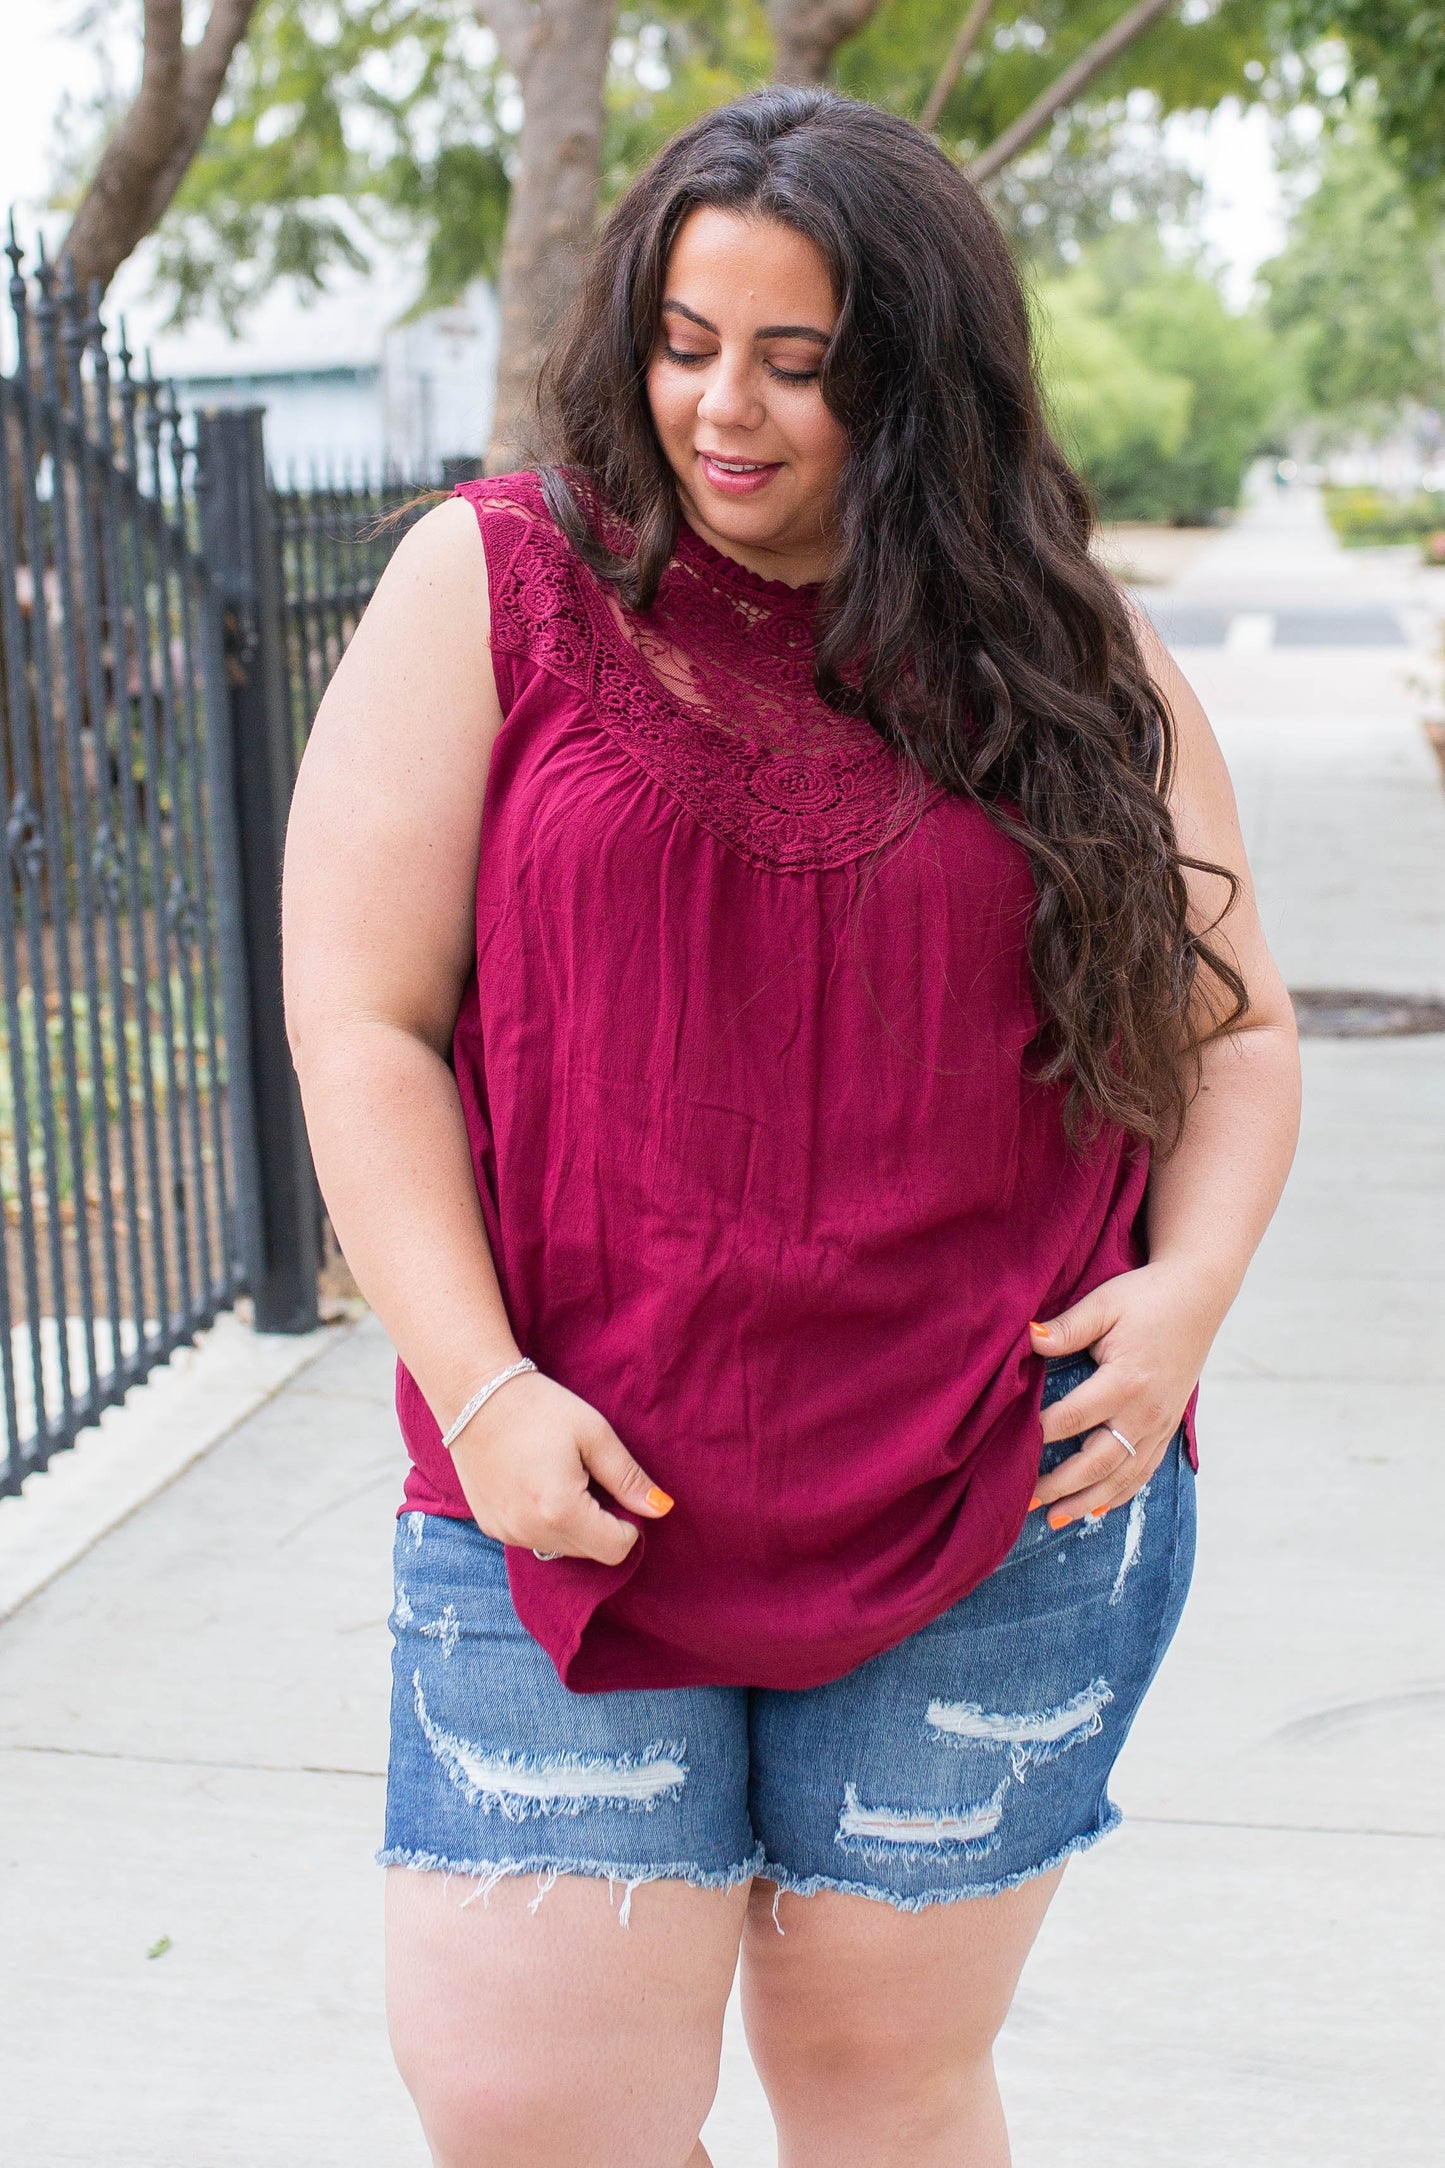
(524, 1463)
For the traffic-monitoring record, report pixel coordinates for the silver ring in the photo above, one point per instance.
(557, 1554)
(1131, 1450)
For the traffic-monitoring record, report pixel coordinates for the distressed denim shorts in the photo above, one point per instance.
(971, 1757)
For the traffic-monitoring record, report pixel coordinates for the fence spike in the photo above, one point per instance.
(72, 336)
(47, 322)
(19, 306)
(94, 327)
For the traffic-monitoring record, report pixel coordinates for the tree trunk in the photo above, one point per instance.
(557, 49)
(155, 140)
(807, 33)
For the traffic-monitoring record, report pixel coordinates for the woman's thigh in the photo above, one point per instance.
(540, 2032)
(873, 2028)
(568, 1883)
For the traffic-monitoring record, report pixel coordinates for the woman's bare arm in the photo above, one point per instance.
(378, 902)
(1210, 1199)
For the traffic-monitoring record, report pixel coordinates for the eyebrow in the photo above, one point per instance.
(766, 331)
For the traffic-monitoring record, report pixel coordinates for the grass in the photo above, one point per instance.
(119, 1088)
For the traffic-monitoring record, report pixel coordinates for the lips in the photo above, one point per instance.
(737, 477)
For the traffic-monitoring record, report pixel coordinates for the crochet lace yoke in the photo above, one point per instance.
(710, 691)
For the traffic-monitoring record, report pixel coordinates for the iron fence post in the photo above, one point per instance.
(276, 1185)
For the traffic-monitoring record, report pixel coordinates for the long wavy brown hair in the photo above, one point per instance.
(964, 616)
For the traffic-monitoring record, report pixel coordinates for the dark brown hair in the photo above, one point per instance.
(965, 618)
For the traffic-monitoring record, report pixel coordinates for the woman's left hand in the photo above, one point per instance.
(1149, 1332)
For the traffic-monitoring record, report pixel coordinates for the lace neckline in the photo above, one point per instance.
(727, 575)
(710, 691)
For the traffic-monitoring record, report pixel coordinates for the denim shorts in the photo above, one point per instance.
(969, 1758)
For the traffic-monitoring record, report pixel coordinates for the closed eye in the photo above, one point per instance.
(783, 376)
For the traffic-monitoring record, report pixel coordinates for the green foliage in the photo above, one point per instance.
(671, 63)
(1066, 189)
(343, 123)
(1193, 57)
(1357, 291)
(1159, 393)
(1396, 51)
(350, 123)
(1364, 518)
(1115, 414)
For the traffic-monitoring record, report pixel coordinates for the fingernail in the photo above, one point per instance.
(1097, 1513)
(659, 1500)
(1042, 1330)
(1035, 1501)
(1060, 1517)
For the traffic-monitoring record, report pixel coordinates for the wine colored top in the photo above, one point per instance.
(762, 1166)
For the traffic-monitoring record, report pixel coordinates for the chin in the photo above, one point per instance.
(742, 519)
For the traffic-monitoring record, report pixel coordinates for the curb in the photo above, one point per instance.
(184, 1408)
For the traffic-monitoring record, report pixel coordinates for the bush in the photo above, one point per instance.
(1364, 517)
(1114, 414)
(1159, 393)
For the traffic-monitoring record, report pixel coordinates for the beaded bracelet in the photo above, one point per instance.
(484, 1393)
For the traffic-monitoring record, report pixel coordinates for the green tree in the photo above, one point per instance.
(153, 137)
(1178, 318)
(1357, 290)
(344, 123)
(1187, 58)
(1396, 52)
(339, 116)
(1116, 416)
(1161, 392)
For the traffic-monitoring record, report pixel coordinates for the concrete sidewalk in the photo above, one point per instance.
(192, 1718)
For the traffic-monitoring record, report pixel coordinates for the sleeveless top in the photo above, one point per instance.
(765, 1178)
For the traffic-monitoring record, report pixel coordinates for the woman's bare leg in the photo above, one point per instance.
(556, 2036)
(873, 2029)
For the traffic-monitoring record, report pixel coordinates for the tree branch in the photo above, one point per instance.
(807, 33)
(969, 32)
(146, 159)
(1066, 87)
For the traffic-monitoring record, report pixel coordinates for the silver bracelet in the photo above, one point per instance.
(480, 1398)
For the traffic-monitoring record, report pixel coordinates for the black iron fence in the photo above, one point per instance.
(333, 539)
(115, 1153)
(168, 622)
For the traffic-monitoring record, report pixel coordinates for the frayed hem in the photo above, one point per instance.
(814, 1885)
(547, 1866)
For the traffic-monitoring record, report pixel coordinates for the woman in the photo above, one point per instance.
(765, 926)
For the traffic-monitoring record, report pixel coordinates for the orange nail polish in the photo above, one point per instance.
(1098, 1512)
(659, 1500)
(1042, 1330)
(1060, 1517)
(1035, 1501)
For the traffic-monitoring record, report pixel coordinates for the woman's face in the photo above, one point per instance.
(733, 385)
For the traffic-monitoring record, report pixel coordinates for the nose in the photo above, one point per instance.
(729, 398)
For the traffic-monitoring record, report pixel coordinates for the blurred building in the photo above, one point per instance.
(346, 377)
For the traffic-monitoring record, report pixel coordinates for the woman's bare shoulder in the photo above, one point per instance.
(420, 659)
(441, 558)
(382, 838)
